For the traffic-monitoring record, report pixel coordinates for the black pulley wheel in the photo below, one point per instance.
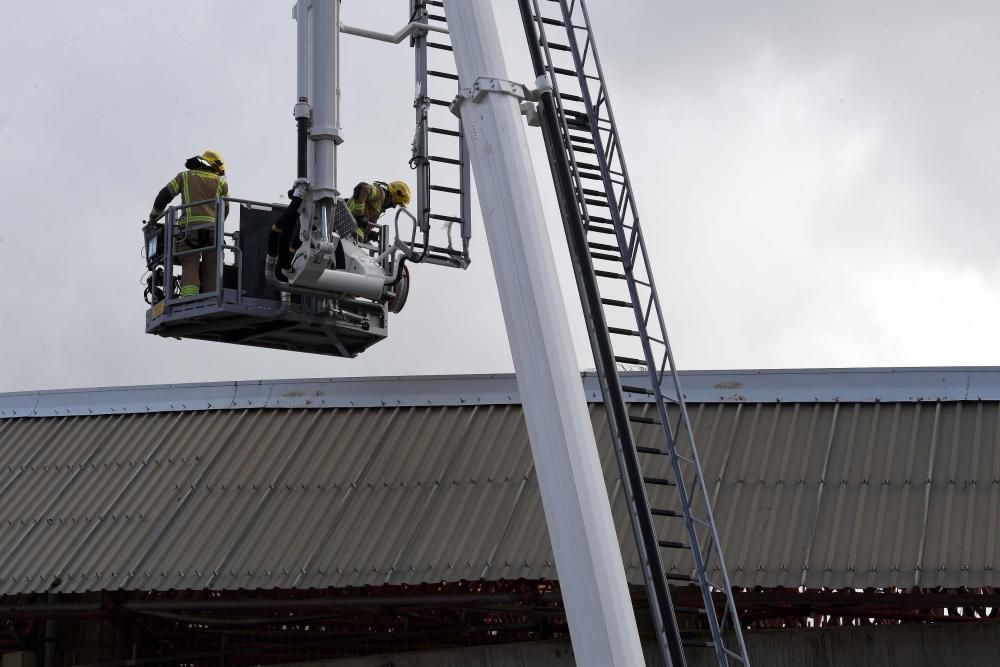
(402, 289)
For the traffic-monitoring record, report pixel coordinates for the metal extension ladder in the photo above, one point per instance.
(439, 129)
(669, 504)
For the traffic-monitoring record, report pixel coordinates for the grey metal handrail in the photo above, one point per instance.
(171, 227)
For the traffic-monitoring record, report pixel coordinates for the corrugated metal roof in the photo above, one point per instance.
(848, 494)
(865, 385)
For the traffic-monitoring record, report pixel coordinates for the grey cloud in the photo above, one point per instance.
(792, 160)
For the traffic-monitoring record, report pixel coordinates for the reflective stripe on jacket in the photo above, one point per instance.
(197, 185)
(366, 204)
(367, 201)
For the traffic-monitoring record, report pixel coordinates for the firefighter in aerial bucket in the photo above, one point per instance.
(370, 200)
(204, 178)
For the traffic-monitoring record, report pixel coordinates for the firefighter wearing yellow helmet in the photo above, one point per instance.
(204, 178)
(370, 200)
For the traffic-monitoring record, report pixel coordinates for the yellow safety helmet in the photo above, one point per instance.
(214, 160)
(400, 192)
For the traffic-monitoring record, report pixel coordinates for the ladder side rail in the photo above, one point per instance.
(614, 153)
(561, 113)
(463, 214)
(465, 185)
(644, 338)
(679, 478)
(614, 150)
(567, 185)
(422, 154)
(613, 129)
(418, 13)
(703, 491)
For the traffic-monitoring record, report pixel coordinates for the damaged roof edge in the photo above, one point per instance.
(854, 385)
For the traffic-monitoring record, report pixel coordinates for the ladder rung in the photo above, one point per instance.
(549, 21)
(597, 202)
(583, 149)
(563, 70)
(599, 230)
(616, 302)
(578, 124)
(607, 221)
(571, 97)
(658, 481)
(593, 245)
(623, 332)
(639, 419)
(650, 450)
(630, 360)
(689, 610)
(447, 160)
(592, 177)
(673, 513)
(435, 17)
(442, 75)
(556, 47)
(670, 544)
(434, 3)
(596, 193)
(440, 130)
(607, 258)
(449, 218)
(698, 643)
(609, 230)
(638, 390)
(589, 167)
(440, 103)
(435, 45)
(610, 274)
(670, 576)
(445, 188)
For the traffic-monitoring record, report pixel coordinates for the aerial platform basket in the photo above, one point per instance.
(245, 309)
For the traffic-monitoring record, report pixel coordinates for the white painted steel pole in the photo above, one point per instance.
(302, 53)
(325, 132)
(591, 574)
(302, 110)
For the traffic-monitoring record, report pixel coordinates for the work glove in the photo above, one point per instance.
(299, 188)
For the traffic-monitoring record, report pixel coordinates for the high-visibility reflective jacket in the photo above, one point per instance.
(194, 185)
(367, 203)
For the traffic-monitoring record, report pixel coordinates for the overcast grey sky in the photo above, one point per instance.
(817, 180)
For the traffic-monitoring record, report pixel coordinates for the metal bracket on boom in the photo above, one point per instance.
(485, 84)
